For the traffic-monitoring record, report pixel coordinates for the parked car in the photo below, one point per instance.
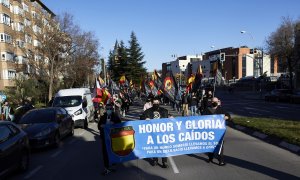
(47, 126)
(20, 111)
(295, 98)
(279, 95)
(14, 149)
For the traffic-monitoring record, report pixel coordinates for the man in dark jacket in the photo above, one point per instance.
(215, 108)
(185, 104)
(156, 112)
(109, 117)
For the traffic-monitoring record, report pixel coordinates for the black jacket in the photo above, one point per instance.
(151, 113)
(115, 118)
(218, 110)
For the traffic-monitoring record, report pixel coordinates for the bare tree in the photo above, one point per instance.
(281, 44)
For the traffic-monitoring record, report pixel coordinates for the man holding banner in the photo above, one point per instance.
(156, 112)
(109, 117)
(215, 108)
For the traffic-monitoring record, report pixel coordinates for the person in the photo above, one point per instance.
(215, 108)
(7, 111)
(148, 104)
(206, 101)
(185, 104)
(109, 117)
(194, 104)
(157, 112)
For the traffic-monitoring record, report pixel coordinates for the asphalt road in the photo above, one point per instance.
(239, 104)
(79, 157)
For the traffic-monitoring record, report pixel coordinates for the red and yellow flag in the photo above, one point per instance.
(122, 79)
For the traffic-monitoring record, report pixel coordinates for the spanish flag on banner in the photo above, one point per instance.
(122, 80)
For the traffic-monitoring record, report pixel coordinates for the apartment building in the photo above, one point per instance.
(19, 21)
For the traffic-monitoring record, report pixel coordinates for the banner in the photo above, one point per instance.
(164, 137)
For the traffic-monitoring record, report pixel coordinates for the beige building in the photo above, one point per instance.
(19, 21)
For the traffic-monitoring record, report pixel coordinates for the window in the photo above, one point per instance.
(11, 74)
(36, 43)
(37, 29)
(5, 3)
(25, 7)
(5, 19)
(13, 129)
(20, 43)
(5, 38)
(7, 56)
(28, 39)
(19, 27)
(5, 133)
(18, 10)
(27, 22)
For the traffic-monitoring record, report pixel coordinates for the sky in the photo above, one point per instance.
(178, 27)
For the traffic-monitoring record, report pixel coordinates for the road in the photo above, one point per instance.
(240, 105)
(79, 157)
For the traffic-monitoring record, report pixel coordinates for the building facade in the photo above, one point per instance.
(19, 21)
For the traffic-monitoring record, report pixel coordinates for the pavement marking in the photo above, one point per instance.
(289, 146)
(174, 167)
(81, 133)
(282, 107)
(31, 173)
(259, 135)
(56, 154)
(250, 108)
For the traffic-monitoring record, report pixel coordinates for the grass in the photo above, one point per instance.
(284, 129)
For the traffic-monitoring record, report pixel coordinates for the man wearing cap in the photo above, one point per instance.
(215, 108)
(157, 112)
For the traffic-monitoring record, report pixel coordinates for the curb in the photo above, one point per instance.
(267, 138)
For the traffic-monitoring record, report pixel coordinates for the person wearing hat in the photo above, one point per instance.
(109, 117)
(148, 104)
(156, 112)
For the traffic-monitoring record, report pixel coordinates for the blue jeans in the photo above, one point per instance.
(194, 110)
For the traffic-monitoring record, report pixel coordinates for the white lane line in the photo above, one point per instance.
(174, 167)
(250, 108)
(282, 107)
(56, 154)
(31, 173)
(255, 113)
(81, 133)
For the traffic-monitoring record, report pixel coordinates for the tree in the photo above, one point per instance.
(281, 44)
(135, 59)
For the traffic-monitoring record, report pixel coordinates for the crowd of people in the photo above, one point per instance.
(195, 103)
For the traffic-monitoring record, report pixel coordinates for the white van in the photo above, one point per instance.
(78, 103)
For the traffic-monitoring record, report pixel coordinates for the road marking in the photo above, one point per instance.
(81, 133)
(250, 108)
(56, 154)
(174, 167)
(282, 107)
(255, 113)
(33, 172)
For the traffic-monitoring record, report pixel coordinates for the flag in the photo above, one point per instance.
(105, 95)
(114, 85)
(190, 83)
(169, 87)
(158, 80)
(153, 88)
(101, 82)
(198, 79)
(97, 94)
(122, 80)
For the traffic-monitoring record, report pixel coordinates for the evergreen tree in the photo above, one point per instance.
(123, 59)
(135, 59)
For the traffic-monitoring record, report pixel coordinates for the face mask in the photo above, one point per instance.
(214, 104)
(155, 106)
